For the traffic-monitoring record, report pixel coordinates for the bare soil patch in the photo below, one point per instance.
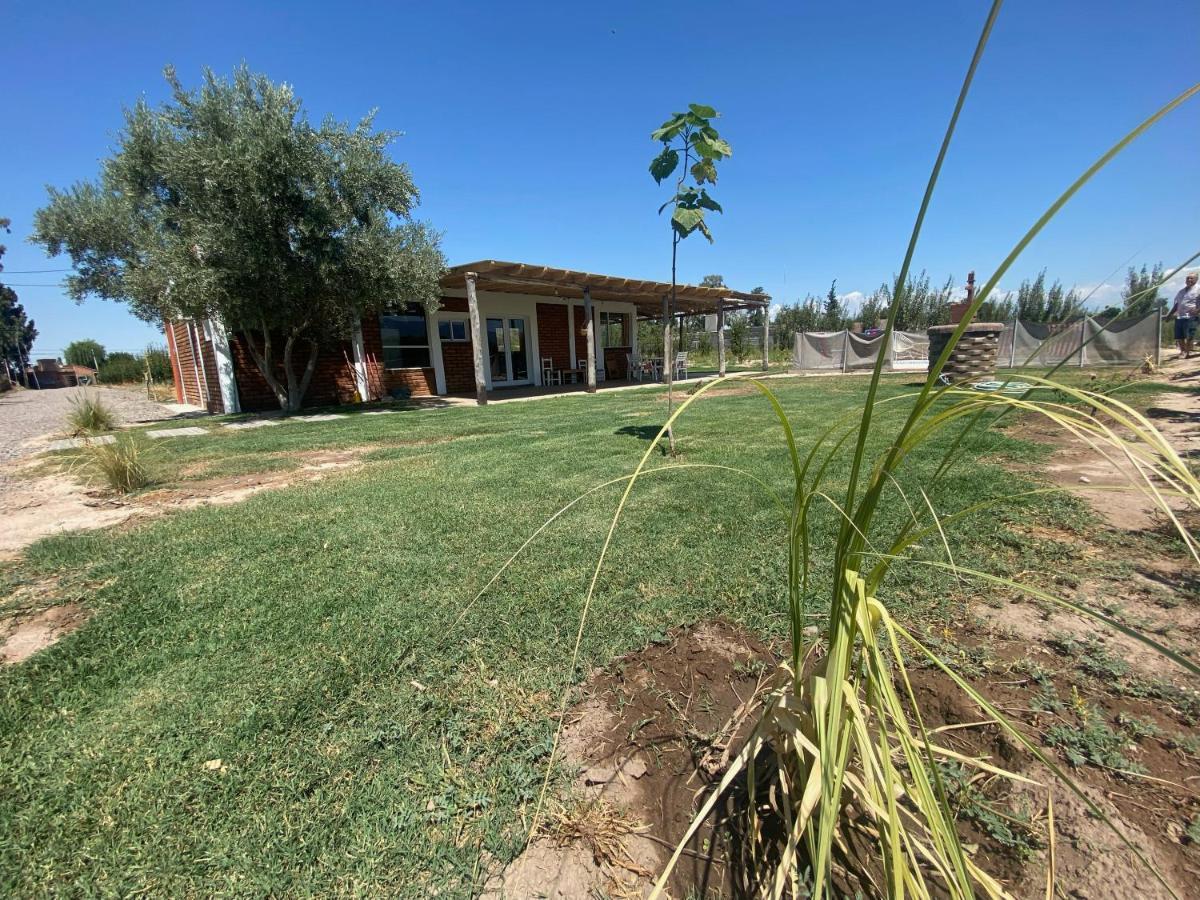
(648, 736)
(25, 637)
(36, 507)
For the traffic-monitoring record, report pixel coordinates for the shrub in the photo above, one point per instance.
(89, 415)
(122, 465)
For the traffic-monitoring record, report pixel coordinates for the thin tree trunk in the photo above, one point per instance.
(669, 345)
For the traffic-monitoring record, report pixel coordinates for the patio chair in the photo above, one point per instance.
(681, 364)
(600, 373)
(550, 375)
(634, 367)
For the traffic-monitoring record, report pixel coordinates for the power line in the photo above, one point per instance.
(32, 271)
(27, 284)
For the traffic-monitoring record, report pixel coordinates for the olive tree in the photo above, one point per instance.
(227, 202)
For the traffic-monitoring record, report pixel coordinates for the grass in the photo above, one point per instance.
(310, 640)
(121, 466)
(89, 415)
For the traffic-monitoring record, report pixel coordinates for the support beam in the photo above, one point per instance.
(589, 325)
(476, 341)
(721, 338)
(766, 336)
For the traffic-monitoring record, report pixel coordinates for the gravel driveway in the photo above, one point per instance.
(25, 415)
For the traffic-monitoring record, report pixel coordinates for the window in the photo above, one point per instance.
(613, 332)
(452, 330)
(405, 339)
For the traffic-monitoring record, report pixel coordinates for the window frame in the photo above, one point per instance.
(407, 309)
(453, 320)
(607, 318)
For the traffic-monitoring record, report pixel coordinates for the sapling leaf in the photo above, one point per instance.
(706, 112)
(703, 171)
(664, 164)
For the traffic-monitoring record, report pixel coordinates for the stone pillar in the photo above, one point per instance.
(973, 357)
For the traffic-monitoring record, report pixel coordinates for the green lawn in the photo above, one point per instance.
(309, 638)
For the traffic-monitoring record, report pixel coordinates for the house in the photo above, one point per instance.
(528, 319)
(50, 373)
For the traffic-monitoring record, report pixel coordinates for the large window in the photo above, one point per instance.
(405, 339)
(614, 331)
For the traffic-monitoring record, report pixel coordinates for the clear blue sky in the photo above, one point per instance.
(526, 127)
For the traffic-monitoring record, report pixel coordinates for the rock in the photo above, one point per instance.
(1083, 479)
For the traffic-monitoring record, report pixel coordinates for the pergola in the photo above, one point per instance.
(652, 299)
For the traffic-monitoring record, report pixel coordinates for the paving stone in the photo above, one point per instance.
(190, 431)
(379, 412)
(251, 423)
(68, 443)
(321, 418)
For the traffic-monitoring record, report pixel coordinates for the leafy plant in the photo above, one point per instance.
(122, 465)
(85, 352)
(89, 415)
(1094, 742)
(691, 144)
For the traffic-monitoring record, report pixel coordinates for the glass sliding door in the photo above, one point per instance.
(508, 351)
(518, 355)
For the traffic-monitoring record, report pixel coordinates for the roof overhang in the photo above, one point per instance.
(647, 296)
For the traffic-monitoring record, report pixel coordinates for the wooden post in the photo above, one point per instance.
(668, 356)
(766, 336)
(1082, 337)
(476, 340)
(721, 338)
(1158, 320)
(589, 325)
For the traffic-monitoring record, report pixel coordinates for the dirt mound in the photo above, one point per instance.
(23, 636)
(649, 735)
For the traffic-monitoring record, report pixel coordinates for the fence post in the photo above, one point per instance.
(1082, 337)
(799, 350)
(845, 347)
(1158, 335)
(1012, 350)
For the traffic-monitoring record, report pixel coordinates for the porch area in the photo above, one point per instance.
(516, 331)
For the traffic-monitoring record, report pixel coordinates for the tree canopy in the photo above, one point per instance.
(17, 330)
(226, 202)
(85, 352)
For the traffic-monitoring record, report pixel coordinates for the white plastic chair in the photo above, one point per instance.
(634, 366)
(681, 364)
(550, 375)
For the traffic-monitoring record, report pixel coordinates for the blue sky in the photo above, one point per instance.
(527, 128)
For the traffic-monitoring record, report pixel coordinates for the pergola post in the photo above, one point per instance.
(589, 324)
(476, 340)
(721, 338)
(766, 336)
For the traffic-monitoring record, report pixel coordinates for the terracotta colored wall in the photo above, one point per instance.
(197, 384)
(554, 338)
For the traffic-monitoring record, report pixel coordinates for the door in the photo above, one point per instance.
(508, 351)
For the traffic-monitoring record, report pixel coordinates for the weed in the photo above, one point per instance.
(89, 415)
(1137, 727)
(1192, 832)
(1092, 742)
(1011, 829)
(121, 465)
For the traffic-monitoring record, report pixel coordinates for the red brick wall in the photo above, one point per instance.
(554, 339)
(458, 358)
(420, 382)
(332, 380)
(196, 374)
(580, 337)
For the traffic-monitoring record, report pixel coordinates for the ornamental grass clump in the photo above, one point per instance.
(89, 415)
(122, 465)
(840, 757)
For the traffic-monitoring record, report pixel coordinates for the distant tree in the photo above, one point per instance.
(1140, 295)
(227, 202)
(17, 331)
(739, 335)
(712, 281)
(799, 316)
(832, 315)
(758, 316)
(1037, 304)
(1003, 309)
(919, 304)
(121, 368)
(85, 352)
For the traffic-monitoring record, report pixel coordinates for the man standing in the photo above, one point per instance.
(1185, 312)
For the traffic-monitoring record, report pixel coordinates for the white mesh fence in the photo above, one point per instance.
(1034, 344)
